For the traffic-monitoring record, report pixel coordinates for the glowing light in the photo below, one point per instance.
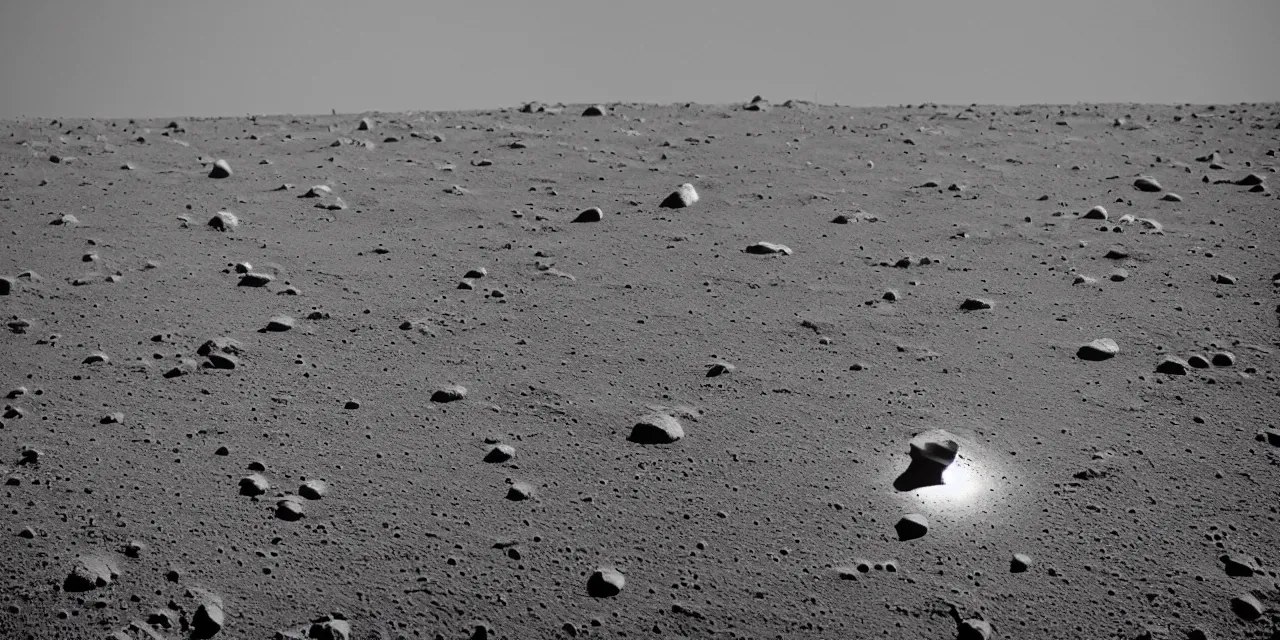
(960, 483)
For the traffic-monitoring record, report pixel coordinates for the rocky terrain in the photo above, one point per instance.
(712, 371)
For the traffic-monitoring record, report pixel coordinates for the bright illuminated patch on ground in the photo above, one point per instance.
(960, 484)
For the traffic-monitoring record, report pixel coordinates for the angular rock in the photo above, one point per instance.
(252, 279)
(226, 345)
(975, 304)
(90, 572)
(520, 491)
(220, 170)
(279, 323)
(605, 582)
(451, 393)
(656, 428)
(912, 526)
(500, 453)
(973, 629)
(768, 248)
(931, 453)
(1250, 180)
(209, 618)
(223, 361)
(1019, 563)
(1100, 349)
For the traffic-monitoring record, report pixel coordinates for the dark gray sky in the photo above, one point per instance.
(155, 58)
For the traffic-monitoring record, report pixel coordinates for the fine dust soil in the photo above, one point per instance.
(417, 417)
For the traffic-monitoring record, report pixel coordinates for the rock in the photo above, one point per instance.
(975, 304)
(931, 453)
(317, 191)
(1238, 567)
(351, 405)
(184, 367)
(768, 248)
(719, 369)
(451, 393)
(6, 285)
(1096, 213)
(683, 197)
(330, 630)
(90, 572)
(656, 428)
(500, 453)
(220, 170)
(605, 582)
(1119, 275)
(1198, 361)
(841, 219)
(590, 215)
(208, 619)
(891, 295)
(594, 110)
(226, 345)
(290, 509)
(1247, 607)
(224, 221)
(477, 273)
(1116, 253)
(1224, 278)
(1250, 180)
(1171, 197)
(314, 489)
(1223, 359)
(1100, 349)
(1083, 279)
(112, 418)
(466, 285)
(1147, 184)
(912, 526)
(973, 629)
(1151, 225)
(279, 323)
(1020, 563)
(252, 279)
(520, 491)
(223, 361)
(96, 357)
(1213, 157)
(254, 485)
(1173, 366)
(365, 124)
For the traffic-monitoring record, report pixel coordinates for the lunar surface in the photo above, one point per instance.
(756, 370)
